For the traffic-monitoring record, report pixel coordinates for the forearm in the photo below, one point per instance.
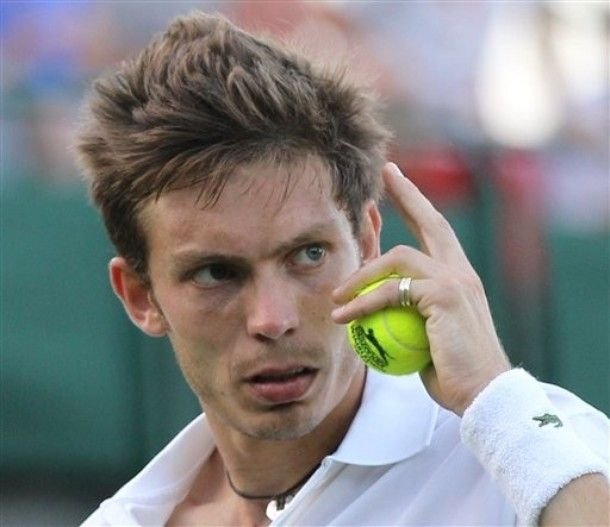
(584, 501)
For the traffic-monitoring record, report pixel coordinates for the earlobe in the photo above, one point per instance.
(136, 297)
(370, 232)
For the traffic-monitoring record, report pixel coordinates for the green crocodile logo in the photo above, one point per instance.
(369, 348)
(548, 419)
(370, 336)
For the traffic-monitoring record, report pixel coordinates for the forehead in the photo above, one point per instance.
(273, 186)
(259, 201)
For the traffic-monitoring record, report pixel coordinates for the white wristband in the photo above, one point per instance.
(524, 443)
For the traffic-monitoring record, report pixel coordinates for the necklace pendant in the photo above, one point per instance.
(276, 506)
(272, 511)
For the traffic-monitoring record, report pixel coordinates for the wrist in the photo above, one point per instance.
(485, 378)
(525, 443)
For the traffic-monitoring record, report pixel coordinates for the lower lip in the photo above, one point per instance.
(283, 391)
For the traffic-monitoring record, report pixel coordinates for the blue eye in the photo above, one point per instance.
(213, 274)
(310, 255)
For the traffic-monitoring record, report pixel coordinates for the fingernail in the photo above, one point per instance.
(394, 166)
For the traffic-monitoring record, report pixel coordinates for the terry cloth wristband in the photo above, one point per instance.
(524, 443)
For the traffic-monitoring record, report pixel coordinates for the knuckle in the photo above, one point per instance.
(471, 283)
(441, 223)
(401, 252)
(453, 288)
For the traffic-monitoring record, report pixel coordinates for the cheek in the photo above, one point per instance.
(317, 320)
(202, 368)
(199, 320)
(317, 305)
(201, 339)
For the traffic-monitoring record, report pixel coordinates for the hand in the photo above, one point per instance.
(465, 349)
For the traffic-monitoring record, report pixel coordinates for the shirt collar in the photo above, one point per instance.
(174, 468)
(395, 421)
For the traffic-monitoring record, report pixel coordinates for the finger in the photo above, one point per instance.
(401, 260)
(386, 295)
(428, 225)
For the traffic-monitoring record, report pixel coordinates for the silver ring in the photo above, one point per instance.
(404, 292)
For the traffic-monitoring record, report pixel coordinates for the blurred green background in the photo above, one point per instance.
(501, 117)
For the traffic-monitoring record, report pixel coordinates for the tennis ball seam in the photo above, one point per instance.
(404, 344)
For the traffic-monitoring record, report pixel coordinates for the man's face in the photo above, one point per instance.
(244, 288)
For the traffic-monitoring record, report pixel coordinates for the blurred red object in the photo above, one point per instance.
(441, 173)
(519, 178)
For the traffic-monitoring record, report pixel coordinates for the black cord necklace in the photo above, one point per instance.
(277, 501)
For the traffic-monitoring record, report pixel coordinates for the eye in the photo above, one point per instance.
(311, 255)
(215, 273)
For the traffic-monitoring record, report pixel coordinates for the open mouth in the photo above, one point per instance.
(281, 376)
(280, 387)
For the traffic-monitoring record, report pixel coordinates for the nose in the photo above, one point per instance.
(272, 310)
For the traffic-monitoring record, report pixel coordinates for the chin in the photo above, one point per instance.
(285, 424)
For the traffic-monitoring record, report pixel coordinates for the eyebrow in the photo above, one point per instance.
(192, 258)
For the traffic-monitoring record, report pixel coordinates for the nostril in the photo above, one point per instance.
(267, 335)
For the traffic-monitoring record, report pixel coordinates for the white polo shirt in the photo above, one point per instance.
(401, 463)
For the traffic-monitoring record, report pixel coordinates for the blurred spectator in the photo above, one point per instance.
(49, 52)
(432, 50)
(577, 163)
(42, 47)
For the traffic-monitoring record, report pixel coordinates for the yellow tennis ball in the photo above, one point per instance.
(392, 340)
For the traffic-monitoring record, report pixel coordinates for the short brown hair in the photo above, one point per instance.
(205, 97)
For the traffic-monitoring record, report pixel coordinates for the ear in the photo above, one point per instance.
(370, 232)
(137, 298)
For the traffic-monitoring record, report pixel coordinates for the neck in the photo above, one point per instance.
(263, 467)
(280, 498)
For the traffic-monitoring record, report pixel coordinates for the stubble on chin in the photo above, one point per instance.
(285, 427)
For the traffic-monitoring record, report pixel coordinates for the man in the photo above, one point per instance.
(239, 184)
